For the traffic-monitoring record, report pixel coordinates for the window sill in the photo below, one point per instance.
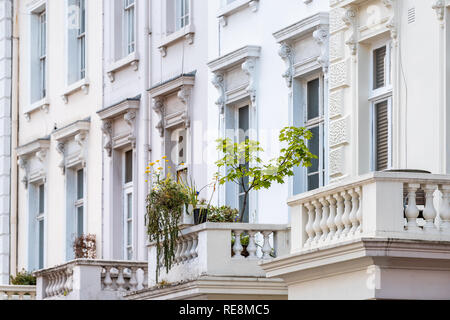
(184, 33)
(42, 104)
(235, 6)
(131, 60)
(81, 85)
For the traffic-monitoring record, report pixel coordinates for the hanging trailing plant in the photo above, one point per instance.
(164, 211)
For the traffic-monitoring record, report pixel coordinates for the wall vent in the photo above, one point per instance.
(411, 15)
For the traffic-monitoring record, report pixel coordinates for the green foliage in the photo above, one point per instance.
(258, 175)
(164, 211)
(222, 214)
(23, 278)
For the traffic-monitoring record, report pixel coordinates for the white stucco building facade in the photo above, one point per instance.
(106, 87)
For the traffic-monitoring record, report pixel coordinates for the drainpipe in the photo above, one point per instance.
(14, 142)
(145, 109)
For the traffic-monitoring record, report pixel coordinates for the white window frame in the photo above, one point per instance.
(377, 96)
(129, 34)
(318, 121)
(40, 218)
(236, 108)
(184, 14)
(43, 54)
(80, 202)
(81, 39)
(127, 189)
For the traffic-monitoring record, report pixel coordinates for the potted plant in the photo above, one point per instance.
(244, 167)
(199, 208)
(84, 247)
(166, 203)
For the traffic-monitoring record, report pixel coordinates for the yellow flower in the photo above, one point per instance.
(164, 157)
(157, 161)
(160, 168)
(152, 164)
(169, 167)
(167, 160)
(181, 164)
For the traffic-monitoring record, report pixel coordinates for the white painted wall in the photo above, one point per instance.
(80, 106)
(5, 135)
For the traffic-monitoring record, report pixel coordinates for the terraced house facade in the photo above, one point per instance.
(100, 89)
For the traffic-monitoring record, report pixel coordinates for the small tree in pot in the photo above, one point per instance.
(245, 168)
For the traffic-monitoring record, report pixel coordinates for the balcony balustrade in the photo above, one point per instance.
(207, 250)
(91, 280)
(382, 204)
(17, 292)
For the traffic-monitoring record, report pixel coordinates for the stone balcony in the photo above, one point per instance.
(91, 280)
(209, 266)
(384, 235)
(17, 292)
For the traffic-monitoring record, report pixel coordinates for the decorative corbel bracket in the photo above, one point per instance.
(81, 140)
(163, 51)
(439, 7)
(184, 95)
(321, 36)
(219, 83)
(130, 119)
(61, 149)
(107, 132)
(349, 18)
(249, 68)
(22, 162)
(158, 107)
(287, 54)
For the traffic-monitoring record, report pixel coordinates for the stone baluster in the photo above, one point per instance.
(324, 222)
(183, 255)
(429, 212)
(412, 212)
(346, 215)
(251, 248)
(178, 249)
(145, 280)
(444, 211)
(189, 243)
(49, 289)
(120, 280)
(69, 280)
(237, 248)
(316, 225)
(331, 219)
(340, 213)
(133, 279)
(194, 239)
(108, 281)
(359, 215)
(59, 282)
(266, 249)
(353, 214)
(309, 225)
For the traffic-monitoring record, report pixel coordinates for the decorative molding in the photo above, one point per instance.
(107, 130)
(249, 68)
(130, 119)
(339, 74)
(349, 17)
(287, 54)
(234, 58)
(158, 107)
(182, 86)
(187, 33)
(219, 83)
(339, 132)
(61, 149)
(132, 60)
(234, 7)
(38, 150)
(82, 85)
(76, 133)
(439, 7)
(43, 105)
(301, 28)
(321, 35)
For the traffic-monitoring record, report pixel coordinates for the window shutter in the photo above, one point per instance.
(379, 72)
(382, 136)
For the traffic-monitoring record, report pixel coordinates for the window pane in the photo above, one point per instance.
(313, 182)
(128, 166)
(313, 99)
(379, 71)
(129, 233)
(314, 148)
(244, 124)
(80, 221)
(80, 184)
(129, 205)
(41, 244)
(41, 199)
(382, 136)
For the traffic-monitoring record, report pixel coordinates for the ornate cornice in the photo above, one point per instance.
(322, 36)
(349, 17)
